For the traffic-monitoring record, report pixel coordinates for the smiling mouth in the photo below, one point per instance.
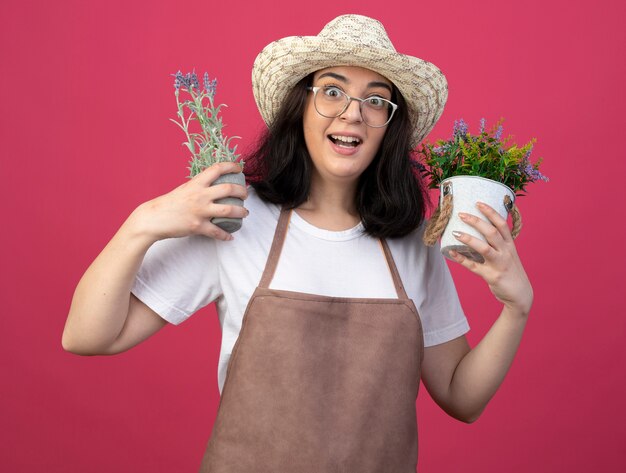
(345, 141)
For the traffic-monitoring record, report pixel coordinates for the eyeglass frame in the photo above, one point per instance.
(394, 106)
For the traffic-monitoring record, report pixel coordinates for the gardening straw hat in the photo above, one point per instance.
(349, 40)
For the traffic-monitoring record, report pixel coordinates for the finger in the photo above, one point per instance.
(210, 230)
(225, 211)
(220, 191)
(211, 173)
(466, 262)
(481, 247)
(487, 229)
(496, 219)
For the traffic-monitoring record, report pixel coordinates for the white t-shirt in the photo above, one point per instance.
(181, 275)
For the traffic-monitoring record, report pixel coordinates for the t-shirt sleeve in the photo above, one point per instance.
(440, 309)
(178, 276)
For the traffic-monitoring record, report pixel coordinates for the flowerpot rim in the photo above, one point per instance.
(464, 176)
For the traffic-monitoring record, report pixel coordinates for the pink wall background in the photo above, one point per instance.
(86, 94)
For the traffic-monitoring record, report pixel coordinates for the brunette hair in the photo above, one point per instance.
(390, 197)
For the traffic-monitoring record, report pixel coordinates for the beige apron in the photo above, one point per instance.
(320, 384)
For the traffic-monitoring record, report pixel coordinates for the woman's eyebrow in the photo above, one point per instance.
(380, 84)
(345, 80)
(334, 75)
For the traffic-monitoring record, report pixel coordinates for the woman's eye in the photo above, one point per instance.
(332, 92)
(376, 101)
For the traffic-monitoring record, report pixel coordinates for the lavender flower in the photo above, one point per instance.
(482, 125)
(205, 80)
(193, 79)
(179, 80)
(498, 134)
(533, 174)
(530, 150)
(530, 170)
(210, 86)
(460, 128)
(188, 80)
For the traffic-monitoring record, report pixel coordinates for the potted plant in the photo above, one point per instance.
(470, 168)
(206, 144)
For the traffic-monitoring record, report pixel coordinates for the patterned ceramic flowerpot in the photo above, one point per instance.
(466, 191)
(230, 225)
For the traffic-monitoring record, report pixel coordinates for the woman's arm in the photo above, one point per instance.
(104, 317)
(463, 380)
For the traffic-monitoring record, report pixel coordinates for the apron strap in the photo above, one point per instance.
(279, 240)
(275, 250)
(395, 275)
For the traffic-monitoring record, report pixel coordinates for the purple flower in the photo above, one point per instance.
(193, 80)
(482, 125)
(527, 155)
(499, 131)
(460, 128)
(188, 81)
(179, 80)
(533, 174)
(210, 86)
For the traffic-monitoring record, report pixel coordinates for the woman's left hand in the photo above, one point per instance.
(502, 269)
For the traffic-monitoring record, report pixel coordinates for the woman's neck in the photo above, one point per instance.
(330, 205)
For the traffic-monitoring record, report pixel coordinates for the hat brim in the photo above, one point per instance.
(281, 64)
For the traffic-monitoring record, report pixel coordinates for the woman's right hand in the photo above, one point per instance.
(105, 318)
(188, 209)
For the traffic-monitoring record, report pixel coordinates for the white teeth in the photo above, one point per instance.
(346, 139)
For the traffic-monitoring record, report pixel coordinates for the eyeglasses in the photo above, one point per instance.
(332, 102)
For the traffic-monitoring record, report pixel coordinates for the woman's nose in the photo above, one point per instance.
(353, 112)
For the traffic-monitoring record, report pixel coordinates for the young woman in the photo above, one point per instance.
(345, 308)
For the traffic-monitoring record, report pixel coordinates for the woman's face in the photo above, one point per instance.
(341, 148)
